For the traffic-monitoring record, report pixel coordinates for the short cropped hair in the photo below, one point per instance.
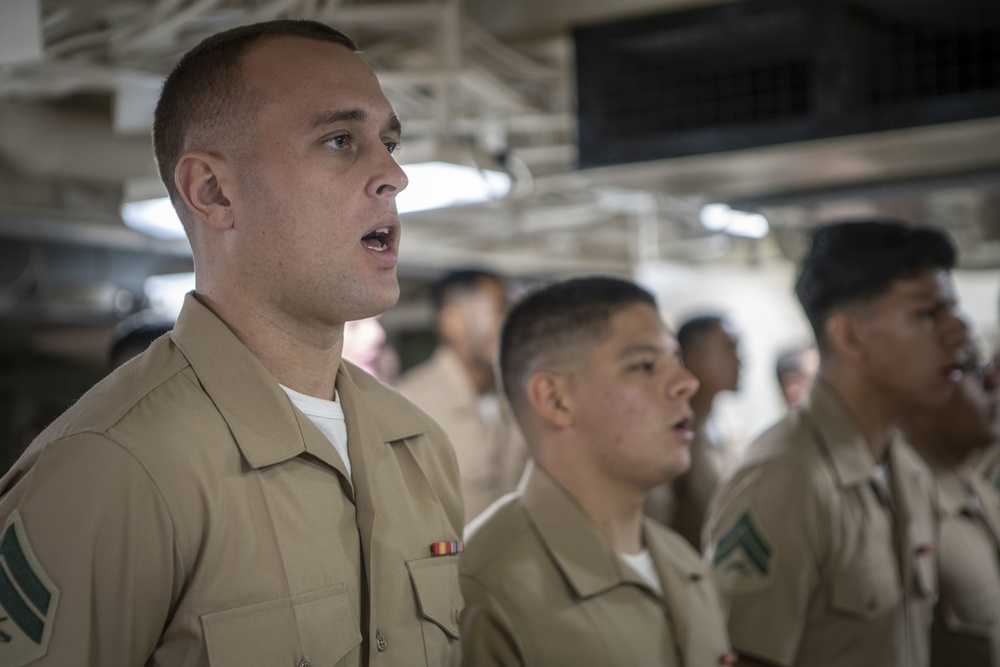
(205, 102)
(856, 262)
(694, 330)
(549, 325)
(457, 283)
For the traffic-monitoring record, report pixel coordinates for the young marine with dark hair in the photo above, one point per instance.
(237, 494)
(567, 571)
(824, 538)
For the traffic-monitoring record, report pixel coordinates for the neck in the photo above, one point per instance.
(874, 413)
(616, 511)
(300, 357)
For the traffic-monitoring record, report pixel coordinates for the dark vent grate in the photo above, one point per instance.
(764, 72)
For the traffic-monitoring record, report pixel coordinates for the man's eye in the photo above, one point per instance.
(645, 366)
(392, 147)
(339, 141)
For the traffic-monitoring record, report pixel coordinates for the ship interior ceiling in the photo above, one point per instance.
(617, 123)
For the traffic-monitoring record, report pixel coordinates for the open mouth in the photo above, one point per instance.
(379, 239)
(685, 427)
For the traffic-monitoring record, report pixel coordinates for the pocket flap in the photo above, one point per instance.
(319, 625)
(866, 593)
(435, 583)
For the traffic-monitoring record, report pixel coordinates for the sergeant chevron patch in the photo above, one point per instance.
(27, 599)
(743, 557)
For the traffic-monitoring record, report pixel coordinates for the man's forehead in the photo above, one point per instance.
(283, 62)
(931, 283)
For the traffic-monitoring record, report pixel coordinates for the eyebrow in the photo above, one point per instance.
(642, 348)
(352, 116)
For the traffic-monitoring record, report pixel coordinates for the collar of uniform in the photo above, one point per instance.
(389, 411)
(677, 575)
(851, 457)
(257, 411)
(579, 549)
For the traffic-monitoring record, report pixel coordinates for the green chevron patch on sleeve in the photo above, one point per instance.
(27, 598)
(744, 557)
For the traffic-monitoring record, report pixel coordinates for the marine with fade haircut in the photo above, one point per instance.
(566, 570)
(238, 493)
(823, 539)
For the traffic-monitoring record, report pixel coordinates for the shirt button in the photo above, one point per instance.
(380, 642)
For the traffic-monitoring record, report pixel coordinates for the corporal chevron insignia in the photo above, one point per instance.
(743, 557)
(27, 599)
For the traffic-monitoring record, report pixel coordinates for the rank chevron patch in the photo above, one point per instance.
(27, 599)
(743, 557)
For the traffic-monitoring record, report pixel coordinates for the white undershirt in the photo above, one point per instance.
(642, 563)
(328, 417)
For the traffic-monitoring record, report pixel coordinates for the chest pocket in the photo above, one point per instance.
(320, 627)
(439, 601)
(866, 593)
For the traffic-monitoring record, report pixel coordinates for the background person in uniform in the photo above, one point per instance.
(709, 348)
(795, 370)
(567, 571)
(236, 494)
(966, 627)
(823, 539)
(457, 385)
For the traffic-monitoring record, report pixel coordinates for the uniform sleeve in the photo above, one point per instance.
(89, 559)
(764, 543)
(489, 636)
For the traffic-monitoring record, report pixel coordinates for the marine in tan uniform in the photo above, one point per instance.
(568, 571)
(457, 386)
(709, 349)
(186, 511)
(824, 538)
(967, 617)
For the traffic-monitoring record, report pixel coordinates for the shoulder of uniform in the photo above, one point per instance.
(501, 530)
(111, 399)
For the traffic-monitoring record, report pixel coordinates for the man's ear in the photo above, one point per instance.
(845, 335)
(550, 398)
(200, 178)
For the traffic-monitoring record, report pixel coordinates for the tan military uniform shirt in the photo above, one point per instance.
(491, 454)
(819, 569)
(543, 588)
(183, 512)
(967, 617)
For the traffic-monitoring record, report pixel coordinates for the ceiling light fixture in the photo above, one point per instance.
(721, 218)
